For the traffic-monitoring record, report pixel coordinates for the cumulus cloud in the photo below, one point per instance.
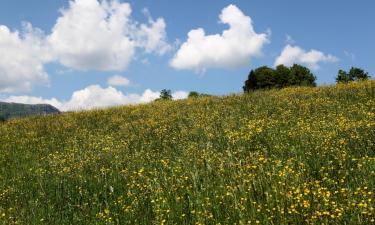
(180, 95)
(95, 96)
(88, 35)
(233, 48)
(118, 80)
(294, 54)
(22, 59)
(93, 35)
(153, 37)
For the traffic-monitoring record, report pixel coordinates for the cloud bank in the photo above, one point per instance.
(95, 96)
(88, 35)
(233, 48)
(294, 54)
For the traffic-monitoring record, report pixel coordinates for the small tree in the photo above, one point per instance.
(342, 77)
(165, 94)
(358, 74)
(353, 75)
(250, 83)
(2, 119)
(193, 94)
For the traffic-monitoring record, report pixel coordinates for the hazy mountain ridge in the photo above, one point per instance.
(17, 110)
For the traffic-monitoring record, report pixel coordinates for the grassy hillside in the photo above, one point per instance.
(291, 156)
(14, 110)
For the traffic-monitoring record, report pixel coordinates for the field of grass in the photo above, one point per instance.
(291, 156)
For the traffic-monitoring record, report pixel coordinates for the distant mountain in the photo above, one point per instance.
(16, 110)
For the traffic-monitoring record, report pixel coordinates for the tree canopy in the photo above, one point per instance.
(353, 75)
(265, 77)
(165, 95)
(195, 94)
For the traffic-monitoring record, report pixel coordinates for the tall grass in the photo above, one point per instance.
(291, 156)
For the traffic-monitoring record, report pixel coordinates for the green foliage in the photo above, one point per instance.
(165, 94)
(282, 74)
(14, 110)
(293, 156)
(266, 78)
(343, 77)
(194, 94)
(301, 76)
(354, 74)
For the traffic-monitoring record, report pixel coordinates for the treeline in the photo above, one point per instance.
(166, 95)
(265, 77)
(282, 76)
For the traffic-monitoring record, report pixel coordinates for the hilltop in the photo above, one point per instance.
(292, 156)
(16, 110)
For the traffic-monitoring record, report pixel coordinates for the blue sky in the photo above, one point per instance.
(341, 33)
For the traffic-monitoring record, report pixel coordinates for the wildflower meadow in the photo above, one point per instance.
(298, 155)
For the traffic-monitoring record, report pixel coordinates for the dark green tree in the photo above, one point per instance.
(193, 94)
(343, 77)
(358, 74)
(265, 77)
(165, 94)
(282, 76)
(353, 75)
(301, 76)
(2, 119)
(250, 83)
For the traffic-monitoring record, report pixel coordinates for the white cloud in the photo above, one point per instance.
(21, 59)
(89, 35)
(93, 35)
(153, 37)
(233, 48)
(118, 80)
(180, 95)
(94, 96)
(311, 59)
(147, 96)
(33, 100)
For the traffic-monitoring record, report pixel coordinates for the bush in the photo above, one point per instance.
(193, 94)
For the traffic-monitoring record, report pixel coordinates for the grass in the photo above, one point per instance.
(291, 156)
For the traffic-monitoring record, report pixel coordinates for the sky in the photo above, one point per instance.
(83, 54)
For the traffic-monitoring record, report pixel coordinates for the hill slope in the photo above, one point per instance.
(14, 110)
(293, 156)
